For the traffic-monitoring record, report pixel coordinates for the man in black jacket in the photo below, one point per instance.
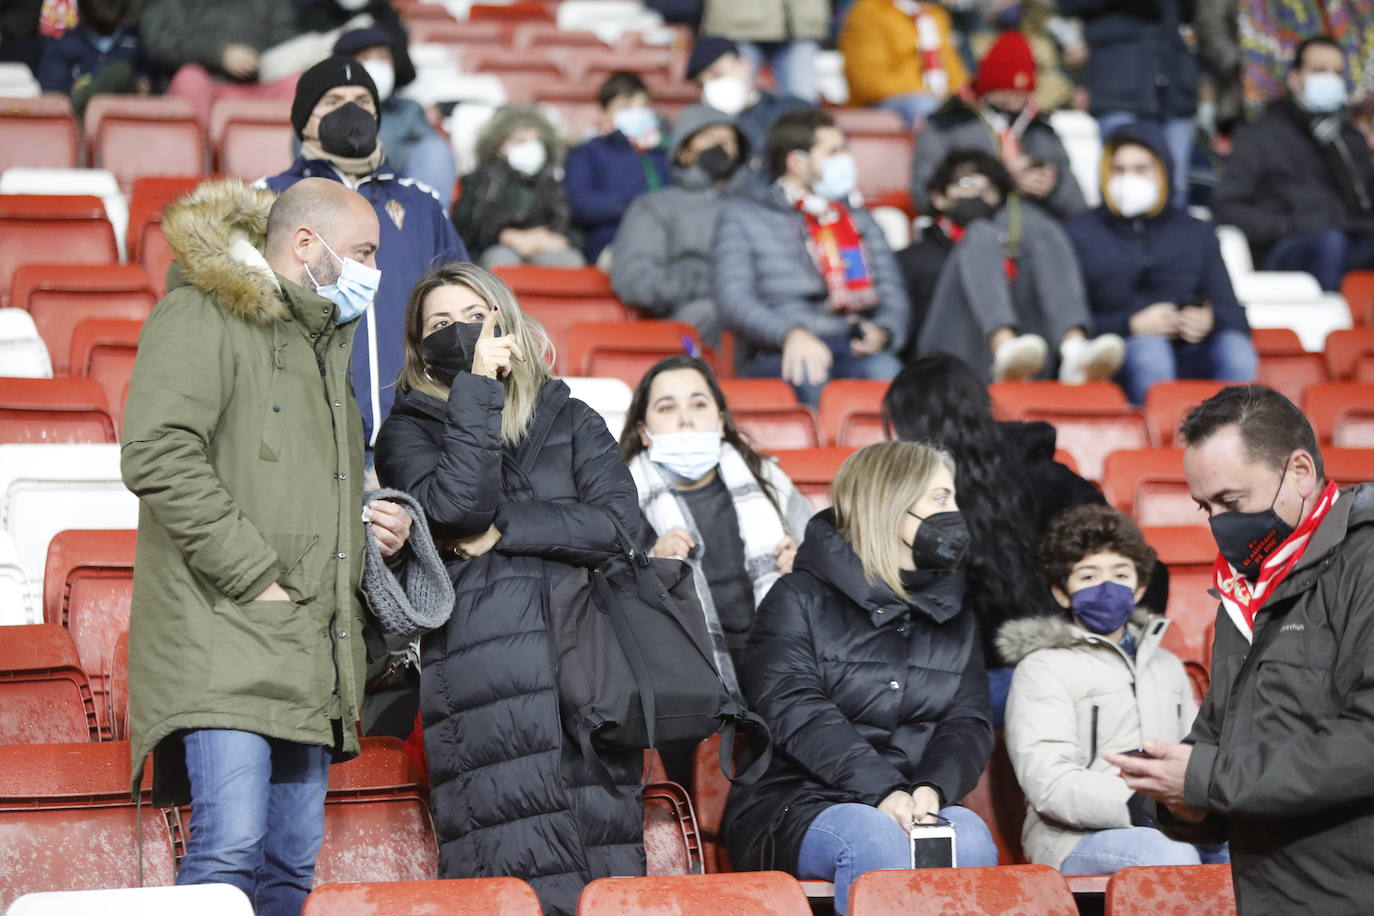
(1300, 184)
(1278, 761)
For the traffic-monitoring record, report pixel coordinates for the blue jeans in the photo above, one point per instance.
(1326, 254)
(882, 366)
(845, 841)
(1105, 852)
(914, 107)
(794, 64)
(1178, 137)
(1227, 356)
(257, 816)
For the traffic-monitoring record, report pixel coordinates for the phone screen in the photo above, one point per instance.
(933, 845)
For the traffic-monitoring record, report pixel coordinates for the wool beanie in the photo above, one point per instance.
(326, 75)
(1008, 64)
(706, 51)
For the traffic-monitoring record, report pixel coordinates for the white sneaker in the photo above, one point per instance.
(1019, 358)
(1090, 360)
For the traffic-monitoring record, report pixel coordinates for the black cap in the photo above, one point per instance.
(326, 75)
(706, 51)
(350, 43)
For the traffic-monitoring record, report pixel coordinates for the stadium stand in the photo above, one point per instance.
(1012, 890)
(1176, 890)
(60, 296)
(45, 697)
(466, 897)
(764, 893)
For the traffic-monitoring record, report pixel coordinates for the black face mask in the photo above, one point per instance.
(449, 350)
(1008, 113)
(940, 543)
(716, 163)
(964, 210)
(349, 131)
(1247, 539)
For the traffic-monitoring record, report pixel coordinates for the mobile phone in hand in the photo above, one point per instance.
(934, 845)
(1137, 752)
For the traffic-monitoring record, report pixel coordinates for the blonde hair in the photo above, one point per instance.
(872, 491)
(525, 378)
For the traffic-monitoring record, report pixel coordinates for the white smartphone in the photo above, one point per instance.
(934, 845)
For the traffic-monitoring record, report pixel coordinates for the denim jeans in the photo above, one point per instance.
(914, 107)
(1326, 254)
(794, 64)
(257, 816)
(1105, 852)
(882, 366)
(1227, 356)
(845, 841)
(1178, 137)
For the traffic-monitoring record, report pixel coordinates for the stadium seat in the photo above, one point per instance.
(812, 470)
(998, 801)
(1341, 413)
(1173, 890)
(38, 132)
(517, 11)
(200, 899)
(884, 160)
(1091, 435)
(593, 65)
(1167, 403)
(626, 352)
(1283, 363)
(1344, 350)
(1066, 459)
(550, 35)
(1188, 552)
(462, 897)
(54, 410)
(45, 697)
(1358, 290)
(252, 138)
(52, 228)
(75, 182)
(147, 246)
(17, 601)
(122, 129)
(760, 893)
(119, 688)
(1148, 485)
(757, 392)
(768, 429)
(104, 350)
(1364, 370)
(460, 34)
(1008, 890)
(844, 399)
(59, 296)
(709, 790)
(1011, 400)
(672, 841)
(22, 351)
(609, 397)
(560, 297)
(508, 60)
(1349, 466)
(67, 821)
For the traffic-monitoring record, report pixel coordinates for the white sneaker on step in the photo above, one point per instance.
(1096, 359)
(1019, 358)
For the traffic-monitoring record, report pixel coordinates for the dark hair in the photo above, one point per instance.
(630, 444)
(1314, 41)
(795, 130)
(1270, 425)
(619, 83)
(102, 16)
(1085, 530)
(961, 162)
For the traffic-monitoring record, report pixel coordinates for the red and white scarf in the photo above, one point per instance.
(929, 45)
(1243, 600)
(837, 247)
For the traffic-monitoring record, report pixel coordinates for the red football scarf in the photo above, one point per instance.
(1239, 597)
(838, 250)
(956, 235)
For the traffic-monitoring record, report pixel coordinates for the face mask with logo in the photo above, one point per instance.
(349, 131)
(1103, 608)
(383, 75)
(449, 350)
(941, 541)
(1246, 539)
(965, 210)
(687, 454)
(355, 288)
(839, 174)
(1133, 194)
(1323, 92)
(728, 94)
(527, 157)
(716, 163)
(635, 123)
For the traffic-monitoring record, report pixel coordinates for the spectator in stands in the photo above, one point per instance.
(1275, 762)
(1008, 282)
(1005, 122)
(728, 84)
(245, 451)
(216, 48)
(663, 249)
(20, 38)
(807, 282)
(901, 56)
(607, 173)
(413, 147)
(1300, 183)
(1154, 274)
(787, 33)
(513, 209)
(1142, 66)
(101, 55)
(523, 482)
(876, 592)
(335, 115)
(1092, 679)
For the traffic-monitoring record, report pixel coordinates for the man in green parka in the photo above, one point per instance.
(244, 444)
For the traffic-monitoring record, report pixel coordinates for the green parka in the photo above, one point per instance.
(244, 444)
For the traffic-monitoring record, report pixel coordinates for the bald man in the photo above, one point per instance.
(244, 446)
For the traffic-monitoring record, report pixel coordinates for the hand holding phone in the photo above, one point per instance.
(934, 845)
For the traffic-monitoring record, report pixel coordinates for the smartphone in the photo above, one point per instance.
(934, 845)
(1137, 752)
(1191, 302)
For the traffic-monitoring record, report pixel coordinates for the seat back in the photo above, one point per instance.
(1189, 553)
(747, 393)
(1325, 404)
(1349, 466)
(609, 397)
(710, 788)
(120, 130)
(44, 695)
(1011, 400)
(61, 296)
(18, 605)
(845, 398)
(1167, 403)
(672, 842)
(884, 160)
(1148, 484)
(119, 689)
(22, 352)
(626, 352)
(760, 893)
(1172, 890)
(201, 899)
(103, 350)
(560, 297)
(1345, 348)
(1008, 890)
(52, 228)
(768, 429)
(251, 137)
(38, 132)
(462, 897)
(54, 410)
(1091, 435)
(812, 470)
(1357, 288)
(147, 245)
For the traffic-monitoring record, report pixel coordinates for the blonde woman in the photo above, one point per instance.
(869, 672)
(522, 482)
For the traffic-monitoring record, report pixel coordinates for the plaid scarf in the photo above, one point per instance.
(836, 246)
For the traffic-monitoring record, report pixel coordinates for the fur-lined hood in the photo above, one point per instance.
(1020, 637)
(217, 234)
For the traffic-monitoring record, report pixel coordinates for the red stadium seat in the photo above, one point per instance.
(626, 351)
(463, 897)
(103, 350)
(1148, 484)
(1364, 370)
(1345, 348)
(843, 399)
(1066, 459)
(1008, 890)
(54, 410)
(862, 429)
(549, 35)
(52, 229)
(884, 160)
(710, 787)
(1358, 290)
(468, 34)
(1172, 890)
(119, 688)
(593, 65)
(44, 695)
(762, 893)
(1189, 553)
(252, 137)
(121, 130)
(1283, 363)
(749, 393)
(510, 12)
(1167, 403)
(1011, 400)
(812, 470)
(560, 297)
(59, 296)
(147, 245)
(999, 803)
(38, 133)
(672, 842)
(1341, 413)
(768, 429)
(506, 60)
(868, 121)
(1091, 435)
(1349, 466)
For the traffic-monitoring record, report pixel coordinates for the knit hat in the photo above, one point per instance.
(1008, 64)
(706, 51)
(350, 43)
(417, 597)
(328, 74)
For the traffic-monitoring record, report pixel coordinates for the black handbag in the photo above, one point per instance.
(635, 668)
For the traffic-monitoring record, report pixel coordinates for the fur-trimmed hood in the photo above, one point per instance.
(217, 234)
(1019, 638)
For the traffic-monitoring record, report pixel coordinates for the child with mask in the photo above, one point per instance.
(1091, 681)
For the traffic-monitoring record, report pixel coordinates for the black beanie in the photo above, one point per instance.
(326, 75)
(706, 51)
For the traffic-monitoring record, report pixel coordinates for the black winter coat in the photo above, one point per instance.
(864, 693)
(511, 795)
(1138, 60)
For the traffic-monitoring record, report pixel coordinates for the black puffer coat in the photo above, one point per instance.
(864, 693)
(511, 795)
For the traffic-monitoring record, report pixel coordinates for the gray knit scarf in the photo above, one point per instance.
(418, 596)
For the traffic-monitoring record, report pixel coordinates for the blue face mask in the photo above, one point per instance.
(635, 123)
(355, 288)
(1103, 608)
(839, 175)
(1323, 92)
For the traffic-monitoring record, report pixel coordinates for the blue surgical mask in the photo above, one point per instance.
(635, 123)
(1323, 92)
(688, 454)
(839, 175)
(355, 288)
(1103, 608)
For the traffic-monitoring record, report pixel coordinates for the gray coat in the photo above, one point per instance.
(177, 32)
(765, 282)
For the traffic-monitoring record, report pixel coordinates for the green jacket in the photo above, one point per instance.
(244, 445)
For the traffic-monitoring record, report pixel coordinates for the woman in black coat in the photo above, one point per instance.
(520, 483)
(867, 669)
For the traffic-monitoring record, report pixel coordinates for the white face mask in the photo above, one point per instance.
(353, 5)
(1133, 194)
(726, 93)
(383, 75)
(688, 453)
(527, 157)
(1323, 92)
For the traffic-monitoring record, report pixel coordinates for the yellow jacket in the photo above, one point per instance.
(881, 58)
